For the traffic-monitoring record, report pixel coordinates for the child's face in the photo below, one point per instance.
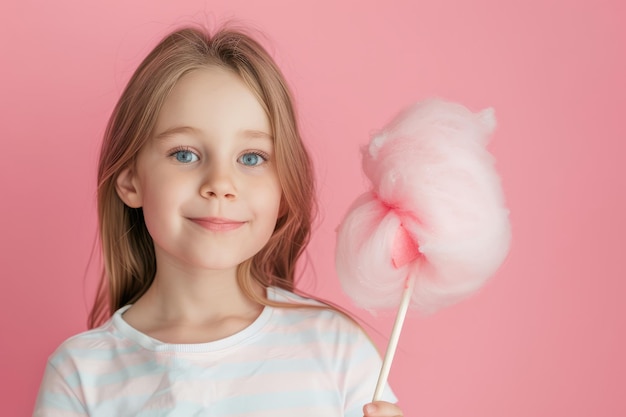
(207, 180)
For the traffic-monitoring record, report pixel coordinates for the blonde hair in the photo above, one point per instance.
(129, 263)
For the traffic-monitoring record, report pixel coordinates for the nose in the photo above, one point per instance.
(218, 183)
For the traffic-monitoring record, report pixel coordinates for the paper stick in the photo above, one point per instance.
(393, 341)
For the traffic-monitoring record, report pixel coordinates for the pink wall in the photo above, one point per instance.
(546, 337)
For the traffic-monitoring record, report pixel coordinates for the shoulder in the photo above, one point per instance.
(101, 343)
(85, 339)
(285, 296)
(311, 307)
(314, 317)
(80, 366)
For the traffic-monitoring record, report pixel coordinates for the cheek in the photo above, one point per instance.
(163, 198)
(275, 201)
(269, 204)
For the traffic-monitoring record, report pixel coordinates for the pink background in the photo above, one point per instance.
(545, 337)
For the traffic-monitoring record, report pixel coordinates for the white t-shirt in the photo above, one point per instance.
(289, 362)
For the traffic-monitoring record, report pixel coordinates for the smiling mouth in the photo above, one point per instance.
(216, 224)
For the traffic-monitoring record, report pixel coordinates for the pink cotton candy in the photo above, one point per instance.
(434, 189)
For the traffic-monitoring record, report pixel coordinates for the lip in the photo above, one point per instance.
(217, 224)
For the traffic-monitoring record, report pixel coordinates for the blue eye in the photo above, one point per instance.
(251, 159)
(185, 156)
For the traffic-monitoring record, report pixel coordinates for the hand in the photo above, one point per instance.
(381, 409)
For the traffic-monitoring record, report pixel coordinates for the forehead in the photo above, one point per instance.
(215, 100)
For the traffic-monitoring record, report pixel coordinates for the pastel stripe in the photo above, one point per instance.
(288, 362)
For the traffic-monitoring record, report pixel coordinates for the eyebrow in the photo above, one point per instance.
(245, 134)
(254, 134)
(177, 130)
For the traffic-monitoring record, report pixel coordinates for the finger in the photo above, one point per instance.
(381, 409)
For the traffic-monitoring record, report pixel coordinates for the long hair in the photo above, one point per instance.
(129, 263)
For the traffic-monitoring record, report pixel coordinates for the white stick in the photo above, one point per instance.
(393, 341)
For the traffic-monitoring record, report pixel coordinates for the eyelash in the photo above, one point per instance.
(173, 152)
(260, 154)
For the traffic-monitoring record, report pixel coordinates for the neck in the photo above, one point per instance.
(198, 298)
(192, 306)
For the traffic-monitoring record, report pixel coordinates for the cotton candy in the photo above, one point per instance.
(435, 211)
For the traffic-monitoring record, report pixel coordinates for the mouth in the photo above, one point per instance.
(217, 224)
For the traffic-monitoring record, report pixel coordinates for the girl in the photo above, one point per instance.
(205, 200)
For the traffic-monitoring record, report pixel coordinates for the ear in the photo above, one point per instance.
(127, 187)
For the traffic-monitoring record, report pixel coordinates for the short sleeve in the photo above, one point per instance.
(362, 368)
(56, 397)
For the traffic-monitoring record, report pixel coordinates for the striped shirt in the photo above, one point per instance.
(288, 362)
